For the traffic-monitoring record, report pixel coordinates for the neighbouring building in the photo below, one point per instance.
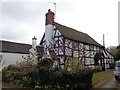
(62, 44)
(13, 53)
(16, 53)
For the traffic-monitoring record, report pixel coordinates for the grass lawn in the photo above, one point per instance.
(101, 77)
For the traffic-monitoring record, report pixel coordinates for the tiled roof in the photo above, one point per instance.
(76, 35)
(13, 47)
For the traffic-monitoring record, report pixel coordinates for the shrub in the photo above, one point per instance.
(55, 78)
(51, 78)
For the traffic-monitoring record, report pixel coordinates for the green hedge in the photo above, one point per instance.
(52, 78)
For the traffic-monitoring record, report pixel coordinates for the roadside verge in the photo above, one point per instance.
(100, 78)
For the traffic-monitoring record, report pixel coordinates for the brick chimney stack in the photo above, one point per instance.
(49, 17)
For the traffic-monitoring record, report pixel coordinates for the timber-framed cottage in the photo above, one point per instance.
(64, 44)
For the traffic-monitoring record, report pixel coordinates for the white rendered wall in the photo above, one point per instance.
(49, 31)
(13, 58)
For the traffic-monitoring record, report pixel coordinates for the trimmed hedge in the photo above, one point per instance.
(52, 78)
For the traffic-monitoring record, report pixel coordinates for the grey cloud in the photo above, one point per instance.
(26, 14)
(19, 17)
(22, 10)
(13, 34)
(65, 7)
(28, 10)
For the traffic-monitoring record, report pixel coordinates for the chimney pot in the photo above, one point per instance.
(34, 42)
(34, 38)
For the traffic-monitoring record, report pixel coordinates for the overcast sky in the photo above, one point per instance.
(24, 19)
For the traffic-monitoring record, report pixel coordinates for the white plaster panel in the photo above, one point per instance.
(13, 58)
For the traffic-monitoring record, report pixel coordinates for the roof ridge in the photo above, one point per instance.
(14, 42)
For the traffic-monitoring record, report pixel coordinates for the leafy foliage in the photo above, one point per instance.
(74, 63)
(116, 53)
(45, 63)
(49, 78)
(117, 56)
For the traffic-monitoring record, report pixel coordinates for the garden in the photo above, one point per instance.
(37, 77)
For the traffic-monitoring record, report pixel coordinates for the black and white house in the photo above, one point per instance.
(62, 44)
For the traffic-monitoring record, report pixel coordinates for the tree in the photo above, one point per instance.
(115, 52)
(117, 56)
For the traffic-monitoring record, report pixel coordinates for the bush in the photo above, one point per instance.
(52, 78)
(59, 78)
